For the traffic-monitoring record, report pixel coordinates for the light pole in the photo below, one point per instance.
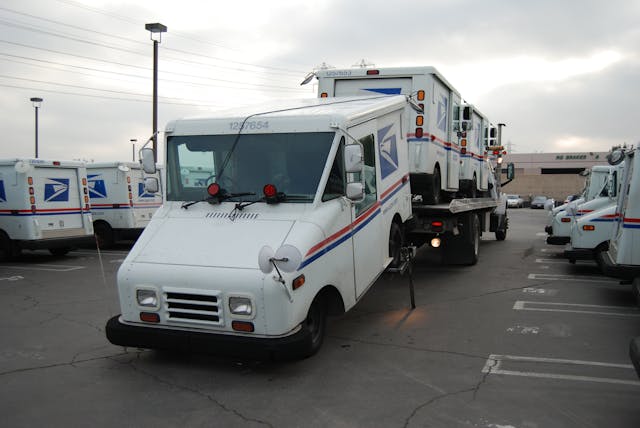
(156, 29)
(133, 153)
(36, 105)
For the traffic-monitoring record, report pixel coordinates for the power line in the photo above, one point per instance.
(143, 68)
(182, 82)
(103, 97)
(177, 33)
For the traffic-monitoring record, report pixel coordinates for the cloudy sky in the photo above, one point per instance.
(564, 75)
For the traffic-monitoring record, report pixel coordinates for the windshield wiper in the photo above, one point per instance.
(217, 199)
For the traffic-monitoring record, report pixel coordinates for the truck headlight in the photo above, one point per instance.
(240, 306)
(147, 298)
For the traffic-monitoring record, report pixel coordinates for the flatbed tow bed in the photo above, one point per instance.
(457, 226)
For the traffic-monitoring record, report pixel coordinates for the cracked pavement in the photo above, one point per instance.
(382, 364)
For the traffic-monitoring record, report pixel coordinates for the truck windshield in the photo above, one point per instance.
(293, 162)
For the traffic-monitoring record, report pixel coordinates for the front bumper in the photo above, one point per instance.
(609, 268)
(558, 240)
(208, 343)
(574, 254)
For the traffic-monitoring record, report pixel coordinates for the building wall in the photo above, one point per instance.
(554, 175)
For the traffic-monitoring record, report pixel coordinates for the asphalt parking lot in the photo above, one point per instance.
(523, 339)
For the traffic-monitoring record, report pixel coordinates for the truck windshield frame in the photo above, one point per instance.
(293, 162)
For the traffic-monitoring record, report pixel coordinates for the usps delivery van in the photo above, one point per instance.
(472, 129)
(120, 205)
(44, 204)
(302, 212)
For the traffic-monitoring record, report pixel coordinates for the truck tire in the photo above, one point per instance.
(105, 237)
(432, 195)
(396, 242)
(464, 248)
(59, 251)
(315, 325)
(9, 250)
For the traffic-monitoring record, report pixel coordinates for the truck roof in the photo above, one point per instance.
(113, 164)
(384, 72)
(298, 115)
(42, 162)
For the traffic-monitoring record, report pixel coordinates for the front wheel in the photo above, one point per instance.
(315, 326)
(396, 242)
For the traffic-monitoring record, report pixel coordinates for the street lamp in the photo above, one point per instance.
(156, 29)
(133, 153)
(37, 102)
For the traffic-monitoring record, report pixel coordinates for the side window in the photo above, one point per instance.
(335, 183)
(370, 188)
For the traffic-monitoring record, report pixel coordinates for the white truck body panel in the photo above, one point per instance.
(438, 145)
(43, 200)
(601, 220)
(211, 251)
(472, 158)
(624, 247)
(118, 197)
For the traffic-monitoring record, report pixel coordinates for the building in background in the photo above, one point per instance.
(554, 175)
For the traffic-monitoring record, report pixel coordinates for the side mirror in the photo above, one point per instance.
(511, 171)
(355, 191)
(151, 185)
(148, 160)
(353, 158)
(615, 157)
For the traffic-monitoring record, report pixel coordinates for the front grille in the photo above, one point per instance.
(197, 307)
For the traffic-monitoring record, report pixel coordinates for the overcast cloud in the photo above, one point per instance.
(563, 75)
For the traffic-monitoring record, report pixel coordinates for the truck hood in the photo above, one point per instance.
(211, 242)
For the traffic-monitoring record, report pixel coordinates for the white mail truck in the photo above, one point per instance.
(44, 204)
(302, 212)
(120, 204)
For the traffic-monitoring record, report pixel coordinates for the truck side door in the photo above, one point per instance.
(370, 241)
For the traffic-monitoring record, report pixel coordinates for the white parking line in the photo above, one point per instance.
(577, 308)
(542, 234)
(565, 261)
(45, 267)
(495, 362)
(579, 278)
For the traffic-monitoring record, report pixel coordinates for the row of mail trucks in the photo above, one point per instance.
(58, 205)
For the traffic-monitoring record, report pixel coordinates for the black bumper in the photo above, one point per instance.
(609, 268)
(579, 254)
(634, 353)
(206, 343)
(72, 242)
(558, 240)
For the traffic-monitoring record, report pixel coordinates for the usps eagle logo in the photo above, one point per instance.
(388, 151)
(56, 190)
(97, 188)
(443, 108)
(3, 195)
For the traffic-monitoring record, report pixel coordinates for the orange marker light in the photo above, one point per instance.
(420, 95)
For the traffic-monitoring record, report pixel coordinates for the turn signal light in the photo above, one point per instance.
(149, 317)
(298, 282)
(419, 133)
(589, 227)
(324, 95)
(565, 220)
(419, 120)
(420, 95)
(245, 326)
